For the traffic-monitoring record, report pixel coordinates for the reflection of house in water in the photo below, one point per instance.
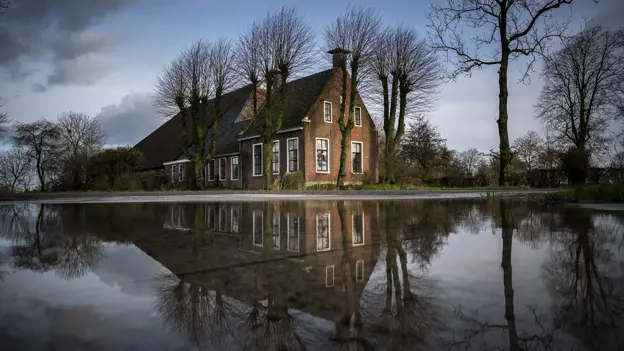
(292, 254)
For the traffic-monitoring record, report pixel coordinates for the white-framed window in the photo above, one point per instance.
(276, 231)
(222, 169)
(327, 111)
(174, 169)
(276, 156)
(323, 232)
(292, 157)
(257, 227)
(234, 169)
(257, 159)
(211, 170)
(329, 276)
(235, 219)
(292, 235)
(357, 220)
(181, 171)
(357, 116)
(359, 270)
(209, 217)
(222, 219)
(357, 149)
(322, 155)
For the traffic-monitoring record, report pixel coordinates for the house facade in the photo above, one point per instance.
(308, 142)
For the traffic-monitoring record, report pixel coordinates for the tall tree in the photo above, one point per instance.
(582, 85)
(501, 31)
(408, 71)
(286, 45)
(192, 86)
(470, 159)
(528, 149)
(15, 169)
(80, 137)
(353, 34)
(40, 141)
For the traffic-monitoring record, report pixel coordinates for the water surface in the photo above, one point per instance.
(465, 274)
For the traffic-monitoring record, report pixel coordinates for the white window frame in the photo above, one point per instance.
(224, 175)
(211, 165)
(333, 272)
(296, 139)
(331, 111)
(288, 216)
(279, 151)
(318, 216)
(316, 155)
(359, 264)
(353, 215)
(361, 157)
(276, 215)
(232, 167)
(253, 227)
(173, 173)
(355, 120)
(253, 160)
(232, 219)
(209, 217)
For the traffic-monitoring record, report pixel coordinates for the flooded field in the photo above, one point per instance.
(437, 274)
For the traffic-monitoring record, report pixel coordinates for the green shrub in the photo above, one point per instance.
(599, 193)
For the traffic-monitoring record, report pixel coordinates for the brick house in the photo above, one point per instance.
(308, 142)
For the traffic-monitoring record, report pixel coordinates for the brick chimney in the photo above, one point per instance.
(339, 57)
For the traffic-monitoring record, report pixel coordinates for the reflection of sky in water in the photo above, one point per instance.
(113, 306)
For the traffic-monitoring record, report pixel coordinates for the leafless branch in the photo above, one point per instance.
(15, 169)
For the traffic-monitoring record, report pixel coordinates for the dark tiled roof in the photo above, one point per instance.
(300, 96)
(165, 143)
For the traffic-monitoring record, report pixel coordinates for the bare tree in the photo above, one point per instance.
(582, 83)
(248, 62)
(528, 149)
(192, 86)
(4, 120)
(470, 159)
(409, 73)
(423, 145)
(354, 33)
(40, 142)
(15, 169)
(80, 137)
(503, 31)
(279, 47)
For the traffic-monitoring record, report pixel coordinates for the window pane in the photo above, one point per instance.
(235, 219)
(322, 232)
(328, 116)
(293, 234)
(358, 116)
(276, 231)
(358, 229)
(257, 154)
(275, 159)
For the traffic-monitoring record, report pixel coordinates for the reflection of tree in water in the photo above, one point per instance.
(203, 316)
(44, 244)
(585, 276)
(401, 314)
(507, 218)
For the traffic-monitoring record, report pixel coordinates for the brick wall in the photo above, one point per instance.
(318, 128)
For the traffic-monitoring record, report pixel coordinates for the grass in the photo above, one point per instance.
(596, 193)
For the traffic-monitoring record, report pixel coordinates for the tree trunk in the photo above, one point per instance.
(344, 131)
(504, 149)
(510, 317)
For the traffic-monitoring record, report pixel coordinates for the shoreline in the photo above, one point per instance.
(246, 196)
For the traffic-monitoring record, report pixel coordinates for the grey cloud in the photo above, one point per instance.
(131, 120)
(56, 31)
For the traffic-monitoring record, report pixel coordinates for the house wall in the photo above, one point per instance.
(228, 182)
(179, 182)
(318, 128)
(258, 182)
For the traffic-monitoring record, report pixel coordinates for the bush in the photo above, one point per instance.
(599, 193)
(575, 163)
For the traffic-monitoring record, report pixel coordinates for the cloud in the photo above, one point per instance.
(57, 32)
(131, 120)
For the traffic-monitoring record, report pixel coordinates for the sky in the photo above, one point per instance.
(102, 58)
